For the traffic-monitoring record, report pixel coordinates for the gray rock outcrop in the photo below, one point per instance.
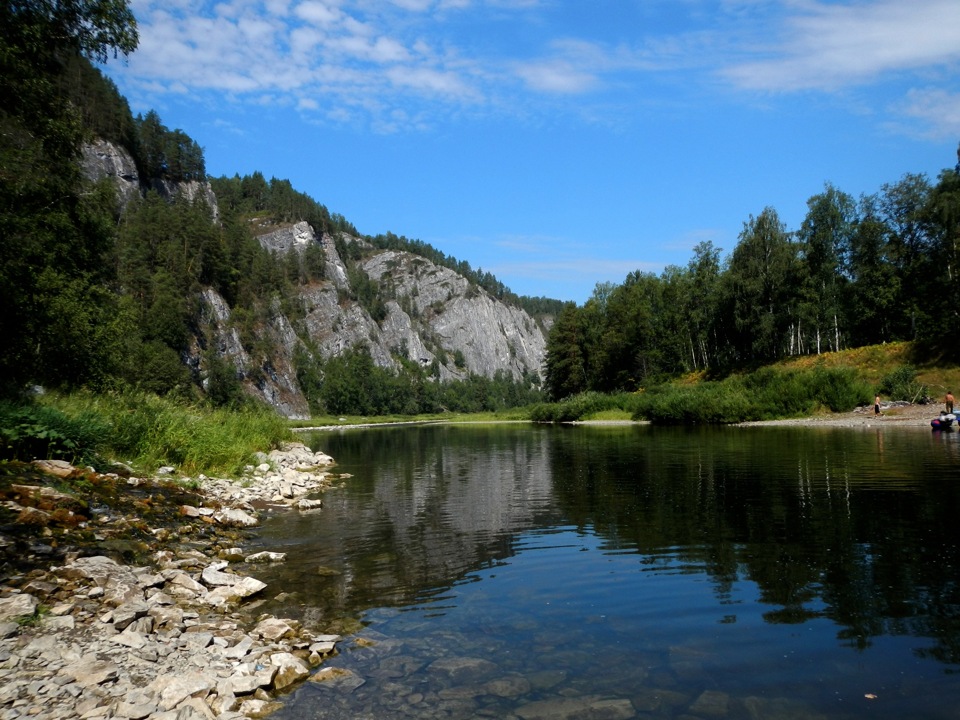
(433, 316)
(103, 160)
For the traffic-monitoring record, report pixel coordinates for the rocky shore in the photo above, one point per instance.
(120, 597)
(892, 414)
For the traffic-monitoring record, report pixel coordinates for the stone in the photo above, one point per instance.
(235, 517)
(761, 708)
(89, 671)
(266, 557)
(175, 690)
(232, 554)
(58, 468)
(214, 577)
(125, 614)
(578, 708)
(181, 579)
(307, 504)
(130, 639)
(259, 708)
(243, 589)
(711, 703)
(59, 622)
(273, 629)
(462, 670)
(337, 679)
(290, 669)
(118, 582)
(17, 606)
(245, 683)
(239, 650)
(510, 686)
(135, 711)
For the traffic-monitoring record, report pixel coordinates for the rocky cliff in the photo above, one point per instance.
(433, 316)
(104, 160)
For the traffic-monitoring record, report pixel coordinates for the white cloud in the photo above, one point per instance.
(937, 110)
(378, 56)
(827, 45)
(317, 13)
(556, 76)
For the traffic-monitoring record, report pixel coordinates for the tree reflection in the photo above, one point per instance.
(822, 522)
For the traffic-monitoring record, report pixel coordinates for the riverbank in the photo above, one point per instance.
(892, 414)
(133, 598)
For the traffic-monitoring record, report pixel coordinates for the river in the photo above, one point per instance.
(515, 571)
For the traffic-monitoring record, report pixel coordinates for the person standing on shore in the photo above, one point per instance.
(948, 401)
(876, 405)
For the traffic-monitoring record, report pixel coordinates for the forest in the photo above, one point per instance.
(858, 271)
(104, 298)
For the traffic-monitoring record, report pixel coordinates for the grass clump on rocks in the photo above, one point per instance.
(140, 429)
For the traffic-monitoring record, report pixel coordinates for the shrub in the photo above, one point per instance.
(149, 431)
(29, 431)
(901, 384)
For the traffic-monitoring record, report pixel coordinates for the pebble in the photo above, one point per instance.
(164, 641)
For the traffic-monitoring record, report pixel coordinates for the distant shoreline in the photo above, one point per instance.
(891, 414)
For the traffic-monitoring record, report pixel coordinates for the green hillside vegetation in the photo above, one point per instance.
(98, 300)
(796, 387)
(881, 269)
(102, 304)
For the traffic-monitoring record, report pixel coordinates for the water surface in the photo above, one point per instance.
(630, 572)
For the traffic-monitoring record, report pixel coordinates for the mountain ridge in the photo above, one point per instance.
(422, 313)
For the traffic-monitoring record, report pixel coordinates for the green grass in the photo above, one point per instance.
(146, 432)
(347, 420)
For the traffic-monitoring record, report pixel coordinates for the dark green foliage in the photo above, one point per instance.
(761, 395)
(351, 384)
(366, 291)
(29, 431)
(881, 270)
(252, 195)
(708, 402)
(167, 154)
(584, 404)
(901, 384)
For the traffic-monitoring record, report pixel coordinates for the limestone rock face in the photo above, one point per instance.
(434, 317)
(101, 159)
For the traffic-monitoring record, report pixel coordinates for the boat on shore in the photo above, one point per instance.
(944, 422)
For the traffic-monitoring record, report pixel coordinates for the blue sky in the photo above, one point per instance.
(557, 143)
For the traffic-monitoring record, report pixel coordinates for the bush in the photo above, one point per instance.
(708, 402)
(582, 405)
(30, 431)
(901, 384)
(766, 394)
(148, 431)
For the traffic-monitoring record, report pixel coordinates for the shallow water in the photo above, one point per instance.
(621, 572)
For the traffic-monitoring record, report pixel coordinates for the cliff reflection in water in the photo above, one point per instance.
(856, 526)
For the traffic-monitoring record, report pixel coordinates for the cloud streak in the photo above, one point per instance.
(825, 46)
(417, 58)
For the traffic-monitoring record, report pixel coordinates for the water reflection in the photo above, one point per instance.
(687, 559)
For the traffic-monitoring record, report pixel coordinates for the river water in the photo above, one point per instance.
(516, 571)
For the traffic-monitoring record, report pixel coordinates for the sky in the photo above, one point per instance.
(557, 143)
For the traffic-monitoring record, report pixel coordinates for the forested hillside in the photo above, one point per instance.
(858, 271)
(166, 292)
(172, 286)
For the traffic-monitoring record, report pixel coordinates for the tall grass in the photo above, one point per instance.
(584, 405)
(765, 394)
(146, 432)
